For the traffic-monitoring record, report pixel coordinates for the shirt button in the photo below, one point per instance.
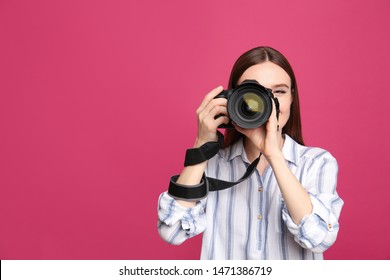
(260, 189)
(259, 217)
(330, 227)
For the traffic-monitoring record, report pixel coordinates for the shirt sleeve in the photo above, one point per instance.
(318, 230)
(177, 223)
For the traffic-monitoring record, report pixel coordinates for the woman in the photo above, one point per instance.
(287, 209)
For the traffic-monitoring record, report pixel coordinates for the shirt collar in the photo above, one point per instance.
(237, 149)
(290, 150)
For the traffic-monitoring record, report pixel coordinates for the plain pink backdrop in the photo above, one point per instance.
(98, 100)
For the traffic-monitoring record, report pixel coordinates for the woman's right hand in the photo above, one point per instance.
(207, 131)
(206, 113)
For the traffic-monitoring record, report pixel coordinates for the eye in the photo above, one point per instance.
(279, 91)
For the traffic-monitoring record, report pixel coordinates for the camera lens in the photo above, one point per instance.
(249, 105)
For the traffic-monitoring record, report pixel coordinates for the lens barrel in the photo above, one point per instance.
(249, 104)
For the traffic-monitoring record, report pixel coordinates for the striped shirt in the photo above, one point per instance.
(250, 220)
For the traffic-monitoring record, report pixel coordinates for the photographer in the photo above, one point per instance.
(288, 208)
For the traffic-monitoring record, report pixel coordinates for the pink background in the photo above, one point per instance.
(98, 100)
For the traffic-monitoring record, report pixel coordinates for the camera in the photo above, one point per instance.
(249, 105)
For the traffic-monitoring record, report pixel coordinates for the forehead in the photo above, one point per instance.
(267, 74)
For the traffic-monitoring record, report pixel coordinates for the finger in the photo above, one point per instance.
(210, 96)
(221, 120)
(244, 131)
(217, 110)
(273, 123)
(239, 129)
(216, 117)
(218, 102)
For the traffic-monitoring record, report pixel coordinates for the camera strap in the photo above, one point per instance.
(198, 155)
(205, 152)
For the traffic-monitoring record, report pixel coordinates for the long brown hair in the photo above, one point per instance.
(256, 56)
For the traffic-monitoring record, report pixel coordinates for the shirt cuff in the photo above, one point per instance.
(170, 212)
(314, 227)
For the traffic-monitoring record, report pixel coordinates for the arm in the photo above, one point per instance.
(310, 208)
(268, 140)
(318, 230)
(179, 220)
(296, 198)
(207, 131)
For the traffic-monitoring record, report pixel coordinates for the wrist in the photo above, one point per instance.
(275, 157)
(201, 141)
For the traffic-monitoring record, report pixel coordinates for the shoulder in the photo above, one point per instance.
(307, 154)
(315, 153)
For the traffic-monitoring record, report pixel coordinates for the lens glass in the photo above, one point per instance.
(251, 104)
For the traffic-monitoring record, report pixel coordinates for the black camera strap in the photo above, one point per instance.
(205, 152)
(198, 155)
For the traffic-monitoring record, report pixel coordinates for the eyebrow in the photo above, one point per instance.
(280, 85)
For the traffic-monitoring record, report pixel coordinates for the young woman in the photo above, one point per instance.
(288, 208)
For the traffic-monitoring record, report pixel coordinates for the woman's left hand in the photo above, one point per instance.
(266, 138)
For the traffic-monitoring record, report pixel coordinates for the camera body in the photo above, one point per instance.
(249, 105)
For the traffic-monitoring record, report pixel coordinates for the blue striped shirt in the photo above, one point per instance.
(250, 220)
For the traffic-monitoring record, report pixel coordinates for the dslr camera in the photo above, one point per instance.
(249, 105)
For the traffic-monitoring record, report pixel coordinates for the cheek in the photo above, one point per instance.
(285, 108)
(285, 111)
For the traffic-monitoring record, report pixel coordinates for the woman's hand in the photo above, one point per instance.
(266, 138)
(207, 131)
(206, 113)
